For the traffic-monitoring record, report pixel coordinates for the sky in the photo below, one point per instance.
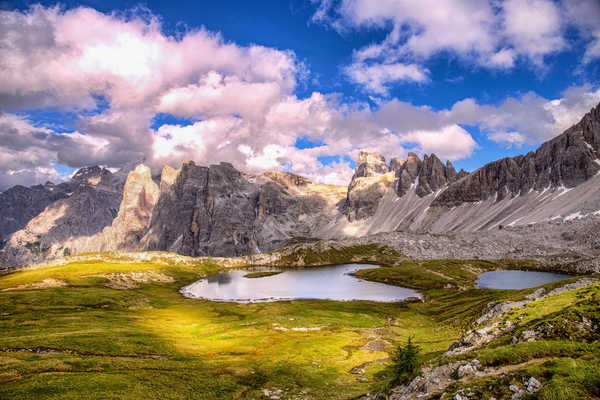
(290, 85)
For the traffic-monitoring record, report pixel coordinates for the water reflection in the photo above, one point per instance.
(220, 278)
(516, 279)
(331, 282)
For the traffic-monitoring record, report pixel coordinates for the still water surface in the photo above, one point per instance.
(331, 282)
(517, 279)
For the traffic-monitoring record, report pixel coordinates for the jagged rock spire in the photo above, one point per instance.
(429, 175)
(370, 164)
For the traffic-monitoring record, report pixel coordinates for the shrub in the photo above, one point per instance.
(405, 362)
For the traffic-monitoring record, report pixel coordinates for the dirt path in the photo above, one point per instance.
(508, 368)
(438, 274)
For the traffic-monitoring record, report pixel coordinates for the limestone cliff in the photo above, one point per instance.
(140, 195)
(371, 181)
(219, 211)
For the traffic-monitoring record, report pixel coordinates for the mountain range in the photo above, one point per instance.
(217, 210)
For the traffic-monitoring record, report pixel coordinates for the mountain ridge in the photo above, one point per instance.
(217, 210)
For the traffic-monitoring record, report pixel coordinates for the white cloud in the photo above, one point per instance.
(533, 27)
(490, 33)
(376, 77)
(74, 54)
(533, 119)
(450, 143)
(584, 16)
(242, 99)
(28, 153)
(219, 95)
(510, 139)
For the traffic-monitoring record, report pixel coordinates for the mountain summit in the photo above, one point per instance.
(220, 211)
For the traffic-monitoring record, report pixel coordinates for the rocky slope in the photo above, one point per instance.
(557, 182)
(19, 204)
(219, 211)
(565, 161)
(87, 204)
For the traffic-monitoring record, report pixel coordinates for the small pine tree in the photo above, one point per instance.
(405, 362)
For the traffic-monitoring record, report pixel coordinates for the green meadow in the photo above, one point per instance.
(68, 333)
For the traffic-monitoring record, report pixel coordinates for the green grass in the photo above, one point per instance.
(565, 358)
(210, 350)
(407, 274)
(150, 342)
(438, 274)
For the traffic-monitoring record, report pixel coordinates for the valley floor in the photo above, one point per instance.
(102, 329)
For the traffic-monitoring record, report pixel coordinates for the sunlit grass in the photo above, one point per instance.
(150, 341)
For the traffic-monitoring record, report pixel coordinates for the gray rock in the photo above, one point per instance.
(533, 385)
(466, 370)
(368, 186)
(567, 160)
(90, 205)
(370, 164)
(219, 211)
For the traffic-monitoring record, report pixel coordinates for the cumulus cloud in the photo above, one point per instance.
(215, 94)
(376, 77)
(240, 101)
(451, 142)
(493, 34)
(584, 16)
(72, 55)
(28, 153)
(533, 119)
(533, 27)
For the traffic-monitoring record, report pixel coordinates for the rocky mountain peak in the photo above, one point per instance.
(220, 211)
(167, 177)
(92, 175)
(370, 164)
(288, 179)
(140, 195)
(429, 175)
(374, 178)
(396, 163)
(568, 160)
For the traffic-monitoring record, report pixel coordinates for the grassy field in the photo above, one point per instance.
(102, 330)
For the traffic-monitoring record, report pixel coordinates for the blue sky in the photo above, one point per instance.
(299, 85)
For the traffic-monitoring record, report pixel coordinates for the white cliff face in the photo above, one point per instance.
(140, 195)
(370, 164)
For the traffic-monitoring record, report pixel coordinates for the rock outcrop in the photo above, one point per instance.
(373, 179)
(140, 195)
(429, 175)
(219, 211)
(89, 206)
(19, 204)
(565, 161)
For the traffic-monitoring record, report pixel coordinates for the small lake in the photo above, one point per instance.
(330, 282)
(515, 279)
